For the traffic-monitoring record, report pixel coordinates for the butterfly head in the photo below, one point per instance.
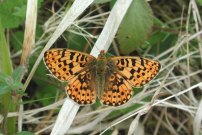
(102, 54)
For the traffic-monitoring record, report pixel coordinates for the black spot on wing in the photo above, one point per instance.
(72, 55)
(122, 61)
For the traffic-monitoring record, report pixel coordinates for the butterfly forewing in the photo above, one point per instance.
(136, 70)
(65, 64)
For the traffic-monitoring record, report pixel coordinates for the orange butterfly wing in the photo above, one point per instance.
(117, 91)
(136, 70)
(81, 88)
(65, 63)
(128, 72)
(72, 66)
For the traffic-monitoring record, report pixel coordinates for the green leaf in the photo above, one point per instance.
(76, 42)
(20, 11)
(17, 40)
(21, 92)
(165, 39)
(48, 93)
(12, 13)
(16, 86)
(135, 27)
(25, 133)
(17, 73)
(5, 81)
(3, 78)
(8, 84)
(200, 2)
(4, 89)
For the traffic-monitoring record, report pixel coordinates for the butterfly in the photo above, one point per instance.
(109, 78)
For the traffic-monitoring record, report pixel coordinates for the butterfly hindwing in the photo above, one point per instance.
(64, 64)
(136, 70)
(117, 90)
(80, 88)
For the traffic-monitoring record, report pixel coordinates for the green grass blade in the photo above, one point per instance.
(9, 125)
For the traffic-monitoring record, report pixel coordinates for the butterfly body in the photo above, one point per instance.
(110, 79)
(102, 71)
